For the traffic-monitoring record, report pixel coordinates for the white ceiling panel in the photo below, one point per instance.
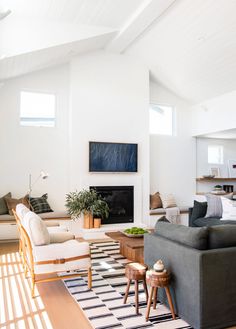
(191, 49)
(37, 60)
(110, 13)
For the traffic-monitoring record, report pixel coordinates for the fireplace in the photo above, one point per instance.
(120, 200)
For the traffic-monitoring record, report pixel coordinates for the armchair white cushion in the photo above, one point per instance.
(70, 251)
(36, 229)
(21, 210)
(59, 237)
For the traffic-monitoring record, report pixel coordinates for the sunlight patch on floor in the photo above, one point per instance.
(17, 309)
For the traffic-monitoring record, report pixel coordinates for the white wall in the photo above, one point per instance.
(109, 102)
(203, 167)
(229, 153)
(214, 115)
(27, 150)
(100, 96)
(172, 158)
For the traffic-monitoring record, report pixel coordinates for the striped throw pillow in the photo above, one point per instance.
(40, 205)
(168, 201)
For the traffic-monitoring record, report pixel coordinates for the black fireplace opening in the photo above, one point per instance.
(120, 200)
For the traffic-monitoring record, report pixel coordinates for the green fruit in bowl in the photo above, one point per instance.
(135, 230)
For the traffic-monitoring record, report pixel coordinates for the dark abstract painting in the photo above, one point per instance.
(112, 157)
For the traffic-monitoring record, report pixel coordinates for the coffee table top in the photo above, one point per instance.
(131, 242)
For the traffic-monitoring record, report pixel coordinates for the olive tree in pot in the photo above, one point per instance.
(100, 210)
(82, 202)
(85, 202)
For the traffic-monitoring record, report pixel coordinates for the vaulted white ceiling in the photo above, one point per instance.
(191, 49)
(188, 45)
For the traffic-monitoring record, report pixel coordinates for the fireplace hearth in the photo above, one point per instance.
(120, 200)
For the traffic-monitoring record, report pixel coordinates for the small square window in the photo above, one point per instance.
(37, 109)
(215, 154)
(161, 119)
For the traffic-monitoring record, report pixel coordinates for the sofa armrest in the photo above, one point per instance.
(184, 265)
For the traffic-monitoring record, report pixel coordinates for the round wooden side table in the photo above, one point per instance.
(136, 272)
(158, 280)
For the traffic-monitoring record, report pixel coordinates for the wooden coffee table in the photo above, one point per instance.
(131, 248)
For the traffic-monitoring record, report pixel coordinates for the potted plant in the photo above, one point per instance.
(82, 202)
(100, 210)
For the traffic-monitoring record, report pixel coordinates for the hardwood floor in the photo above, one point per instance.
(52, 308)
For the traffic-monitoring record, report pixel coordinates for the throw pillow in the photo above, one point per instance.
(229, 209)
(40, 205)
(3, 205)
(214, 205)
(12, 203)
(199, 210)
(168, 201)
(36, 229)
(155, 201)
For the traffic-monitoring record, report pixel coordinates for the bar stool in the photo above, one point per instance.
(158, 280)
(136, 272)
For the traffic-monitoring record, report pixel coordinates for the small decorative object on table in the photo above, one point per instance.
(218, 189)
(159, 266)
(208, 176)
(135, 232)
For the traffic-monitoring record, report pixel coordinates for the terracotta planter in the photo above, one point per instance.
(88, 219)
(97, 222)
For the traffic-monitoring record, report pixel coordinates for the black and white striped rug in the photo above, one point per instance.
(103, 305)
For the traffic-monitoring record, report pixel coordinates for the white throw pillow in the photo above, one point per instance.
(168, 201)
(36, 229)
(229, 209)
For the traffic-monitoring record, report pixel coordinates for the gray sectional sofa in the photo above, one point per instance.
(197, 216)
(202, 262)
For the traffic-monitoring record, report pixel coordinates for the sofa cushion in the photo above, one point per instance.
(222, 236)
(199, 210)
(210, 221)
(12, 203)
(191, 236)
(3, 205)
(54, 215)
(36, 229)
(155, 201)
(40, 204)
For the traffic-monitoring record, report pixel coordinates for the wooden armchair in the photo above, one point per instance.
(51, 258)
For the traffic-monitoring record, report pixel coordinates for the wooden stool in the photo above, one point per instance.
(158, 280)
(136, 272)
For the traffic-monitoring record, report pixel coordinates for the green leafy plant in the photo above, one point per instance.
(135, 230)
(78, 203)
(100, 209)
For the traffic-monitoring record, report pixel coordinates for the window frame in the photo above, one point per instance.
(173, 123)
(39, 91)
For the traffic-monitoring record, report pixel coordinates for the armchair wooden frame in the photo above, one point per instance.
(26, 251)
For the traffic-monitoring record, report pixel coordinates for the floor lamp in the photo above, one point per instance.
(42, 175)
